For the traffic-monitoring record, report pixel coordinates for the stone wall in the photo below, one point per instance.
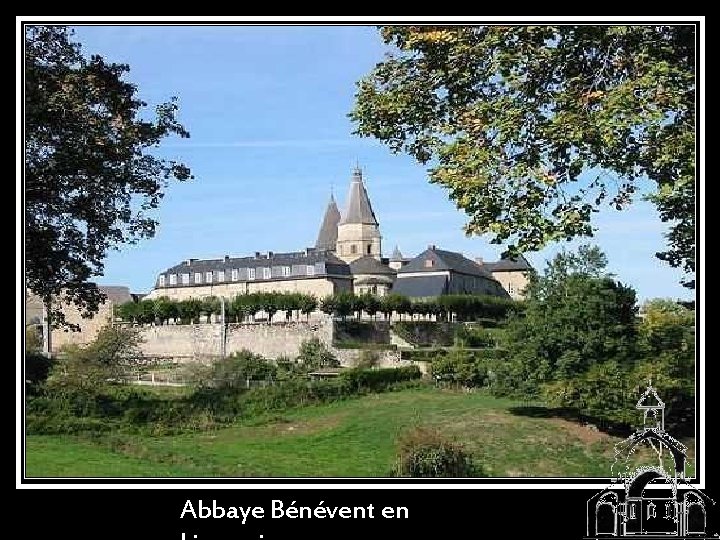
(194, 341)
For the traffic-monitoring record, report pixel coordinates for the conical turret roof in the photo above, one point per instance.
(327, 237)
(358, 209)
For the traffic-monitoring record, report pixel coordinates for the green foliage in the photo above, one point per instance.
(467, 336)
(574, 318)
(426, 453)
(92, 177)
(240, 308)
(528, 126)
(357, 379)
(103, 361)
(314, 354)
(667, 328)
(234, 371)
(462, 367)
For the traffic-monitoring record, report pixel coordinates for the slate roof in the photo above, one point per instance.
(509, 265)
(369, 265)
(421, 286)
(444, 260)
(333, 265)
(327, 237)
(358, 208)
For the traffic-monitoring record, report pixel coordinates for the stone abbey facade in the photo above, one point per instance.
(347, 256)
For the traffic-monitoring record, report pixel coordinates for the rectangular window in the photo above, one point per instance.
(285, 271)
(353, 249)
(186, 279)
(208, 277)
(198, 277)
(221, 275)
(267, 274)
(310, 270)
(173, 279)
(234, 274)
(161, 281)
(369, 248)
(251, 273)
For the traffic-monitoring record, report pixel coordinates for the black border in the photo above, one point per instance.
(374, 480)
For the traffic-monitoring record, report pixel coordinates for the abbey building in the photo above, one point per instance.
(347, 256)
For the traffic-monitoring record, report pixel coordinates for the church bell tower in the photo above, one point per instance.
(358, 233)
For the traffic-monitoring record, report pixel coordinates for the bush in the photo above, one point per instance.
(466, 336)
(235, 370)
(425, 453)
(314, 354)
(358, 379)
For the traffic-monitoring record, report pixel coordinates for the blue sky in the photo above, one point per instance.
(266, 108)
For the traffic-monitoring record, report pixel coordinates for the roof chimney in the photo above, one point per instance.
(431, 247)
(479, 260)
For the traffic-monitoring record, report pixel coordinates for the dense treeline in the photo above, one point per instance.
(245, 307)
(241, 308)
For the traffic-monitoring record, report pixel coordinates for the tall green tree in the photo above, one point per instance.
(91, 180)
(533, 128)
(575, 317)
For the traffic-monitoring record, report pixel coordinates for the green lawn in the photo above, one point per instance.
(353, 438)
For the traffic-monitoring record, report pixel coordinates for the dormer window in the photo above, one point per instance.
(208, 277)
(161, 281)
(429, 263)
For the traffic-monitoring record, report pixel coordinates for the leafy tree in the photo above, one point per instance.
(344, 303)
(327, 304)
(90, 180)
(106, 359)
(314, 354)
(165, 309)
(533, 128)
(371, 304)
(307, 304)
(573, 320)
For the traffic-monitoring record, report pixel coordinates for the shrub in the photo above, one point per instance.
(314, 354)
(358, 379)
(235, 370)
(425, 453)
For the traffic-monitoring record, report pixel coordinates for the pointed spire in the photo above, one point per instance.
(327, 237)
(396, 255)
(358, 208)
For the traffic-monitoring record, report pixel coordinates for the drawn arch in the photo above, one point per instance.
(695, 517)
(606, 515)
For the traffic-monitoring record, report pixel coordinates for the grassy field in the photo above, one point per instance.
(353, 438)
